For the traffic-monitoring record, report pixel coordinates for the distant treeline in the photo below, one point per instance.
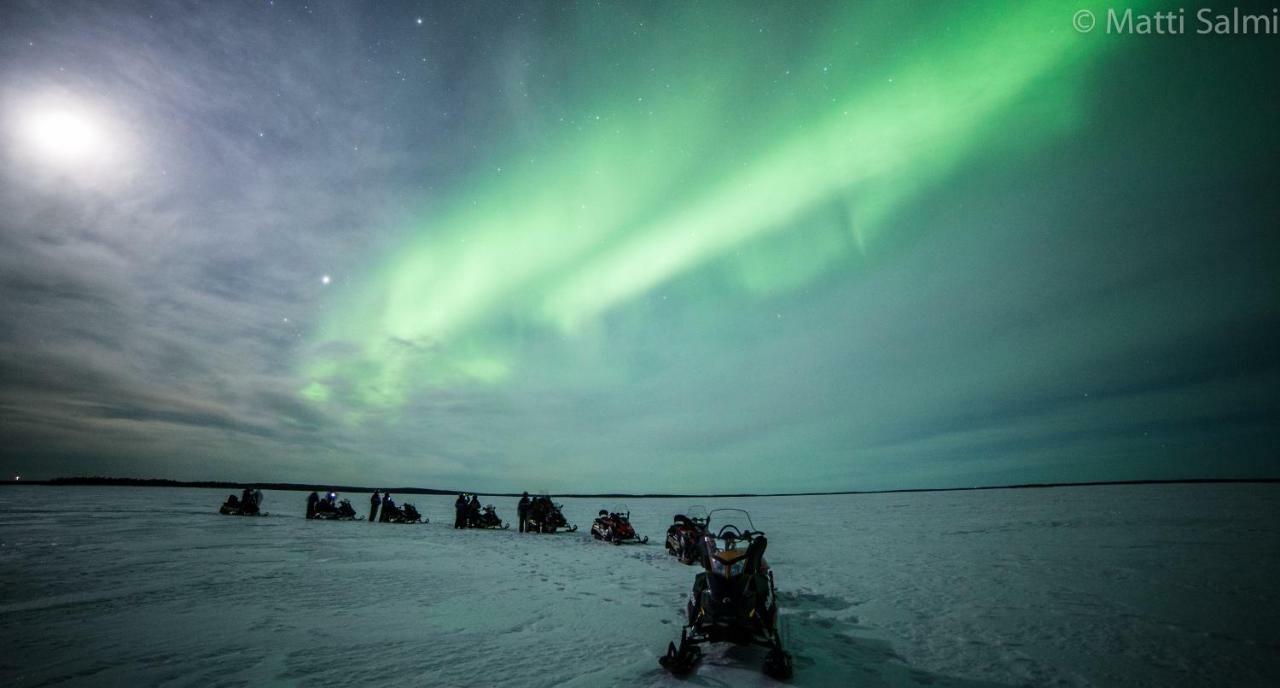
(303, 487)
(225, 485)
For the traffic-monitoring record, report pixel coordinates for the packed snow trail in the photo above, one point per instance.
(1143, 585)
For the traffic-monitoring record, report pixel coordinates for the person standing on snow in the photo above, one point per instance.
(374, 501)
(388, 506)
(460, 511)
(522, 510)
(312, 500)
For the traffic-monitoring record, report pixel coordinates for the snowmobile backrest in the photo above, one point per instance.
(755, 552)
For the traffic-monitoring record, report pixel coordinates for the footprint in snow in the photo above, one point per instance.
(813, 601)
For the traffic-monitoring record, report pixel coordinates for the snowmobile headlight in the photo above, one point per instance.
(737, 569)
(717, 567)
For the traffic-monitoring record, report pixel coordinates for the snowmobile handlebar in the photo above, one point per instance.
(731, 529)
(737, 533)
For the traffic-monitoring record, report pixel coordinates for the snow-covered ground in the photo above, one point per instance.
(1109, 586)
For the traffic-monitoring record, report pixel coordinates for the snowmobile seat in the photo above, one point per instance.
(685, 521)
(731, 556)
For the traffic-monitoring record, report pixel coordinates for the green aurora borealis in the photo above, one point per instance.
(729, 154)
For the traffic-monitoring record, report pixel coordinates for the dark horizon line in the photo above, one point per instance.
(87, 481)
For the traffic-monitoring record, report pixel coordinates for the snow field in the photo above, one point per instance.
(1145, 585)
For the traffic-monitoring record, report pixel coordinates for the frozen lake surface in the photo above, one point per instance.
(1161, 585)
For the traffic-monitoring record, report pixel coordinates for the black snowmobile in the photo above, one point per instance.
(411, 514)
(488, 519)
(615, 526)
(684, 535)
(249, 503)
(400, 514)
(733, 600)
(545, 516)
(332, 510)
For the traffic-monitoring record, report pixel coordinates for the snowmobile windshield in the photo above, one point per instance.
(696, 513)
(729, 521)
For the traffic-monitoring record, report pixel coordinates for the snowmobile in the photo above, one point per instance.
(411, 514)
(326, 511)
(684, 535)
(397, 514)
(546, 516)
(733, 599)
(488, 519)
(615, 526)
(249, 503)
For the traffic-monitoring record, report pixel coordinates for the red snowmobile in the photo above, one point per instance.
(684, 535)
(615, 526)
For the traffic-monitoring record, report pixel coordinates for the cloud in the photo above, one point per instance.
(171, 303)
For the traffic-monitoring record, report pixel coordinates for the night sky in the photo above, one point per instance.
(663, 247)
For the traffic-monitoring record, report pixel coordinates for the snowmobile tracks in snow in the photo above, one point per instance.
(823, 633)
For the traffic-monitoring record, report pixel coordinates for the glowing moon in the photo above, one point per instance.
(66, 137)
(63, 136)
